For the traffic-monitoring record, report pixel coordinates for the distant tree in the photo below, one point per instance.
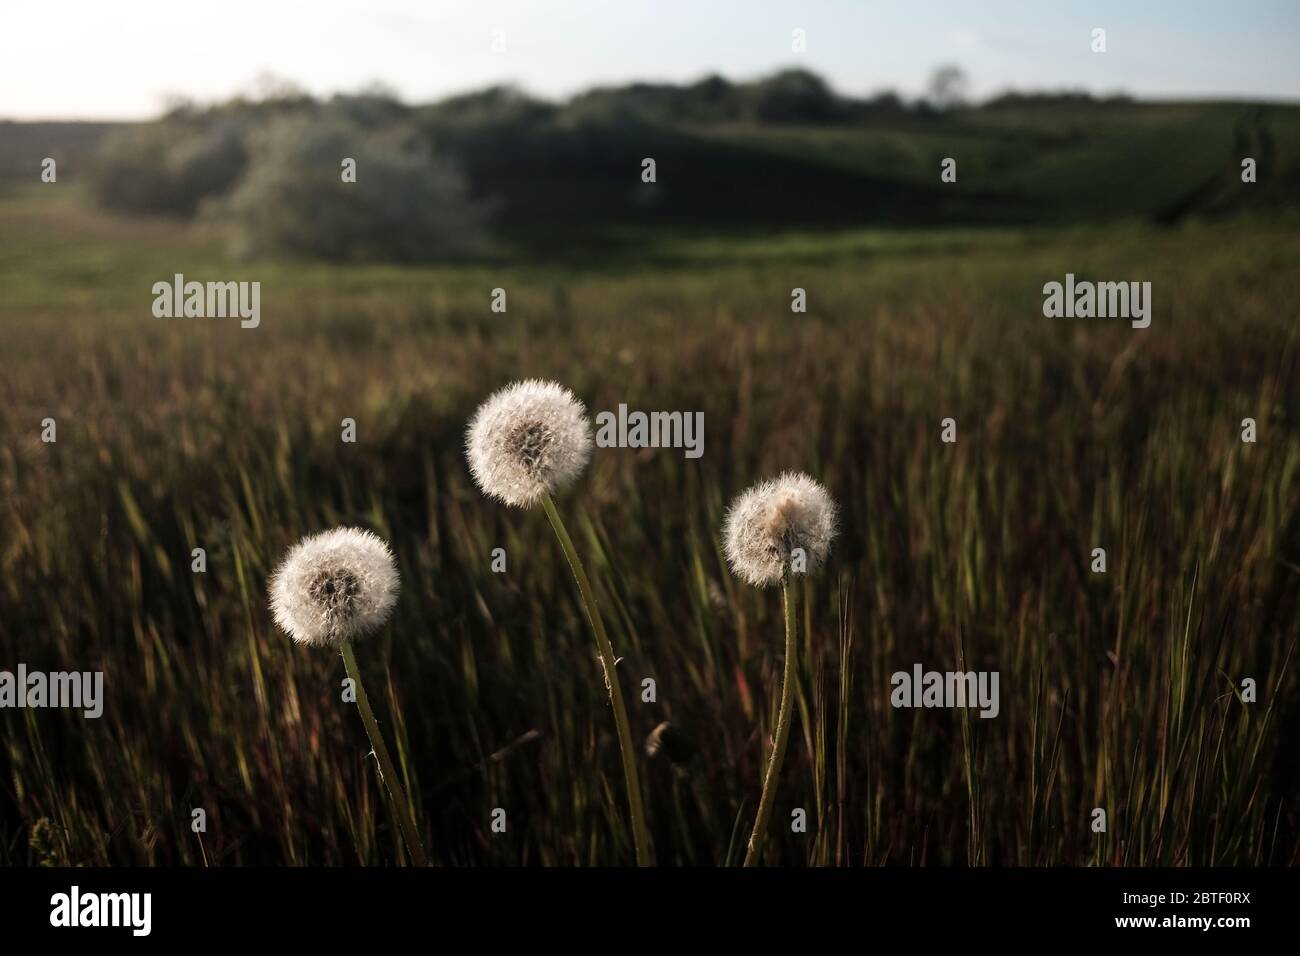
(883, 105)
(208, 162)
(495, 104)
(712, 99)
(179, 106)
(500, 127)
(795, 96)
(948, 87)
(372, 108)
(268, 86)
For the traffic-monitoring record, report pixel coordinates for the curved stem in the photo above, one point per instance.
(387, 773)
(641, 835)
(782, 728)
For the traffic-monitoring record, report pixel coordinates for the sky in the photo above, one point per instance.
(95, 59)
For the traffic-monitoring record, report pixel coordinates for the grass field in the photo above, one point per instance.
(1119, 690)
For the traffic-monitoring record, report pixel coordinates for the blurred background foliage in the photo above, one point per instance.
(497, 172)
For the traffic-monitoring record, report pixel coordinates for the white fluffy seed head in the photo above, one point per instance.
(766, 524)
(334, 586)
(528, 439)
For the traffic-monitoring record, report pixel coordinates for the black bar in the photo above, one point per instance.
(537, 905)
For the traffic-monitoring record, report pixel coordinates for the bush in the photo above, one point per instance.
(169, 167)
(407, 204)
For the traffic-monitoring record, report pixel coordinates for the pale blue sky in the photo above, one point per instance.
(99, 59)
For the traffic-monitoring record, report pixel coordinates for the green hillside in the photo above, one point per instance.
(566, 180)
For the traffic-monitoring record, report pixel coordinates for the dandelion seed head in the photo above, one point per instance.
(768, 522)
(528, 439)
(334, 586)
(667, 741)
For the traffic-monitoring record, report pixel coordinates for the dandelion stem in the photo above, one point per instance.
(641, 835)
(397, 795)
(782, 727)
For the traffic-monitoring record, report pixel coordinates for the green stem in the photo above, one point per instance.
(782, 728)
(641, 836)
(387, 773)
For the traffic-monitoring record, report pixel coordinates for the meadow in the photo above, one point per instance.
(1120, 690)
